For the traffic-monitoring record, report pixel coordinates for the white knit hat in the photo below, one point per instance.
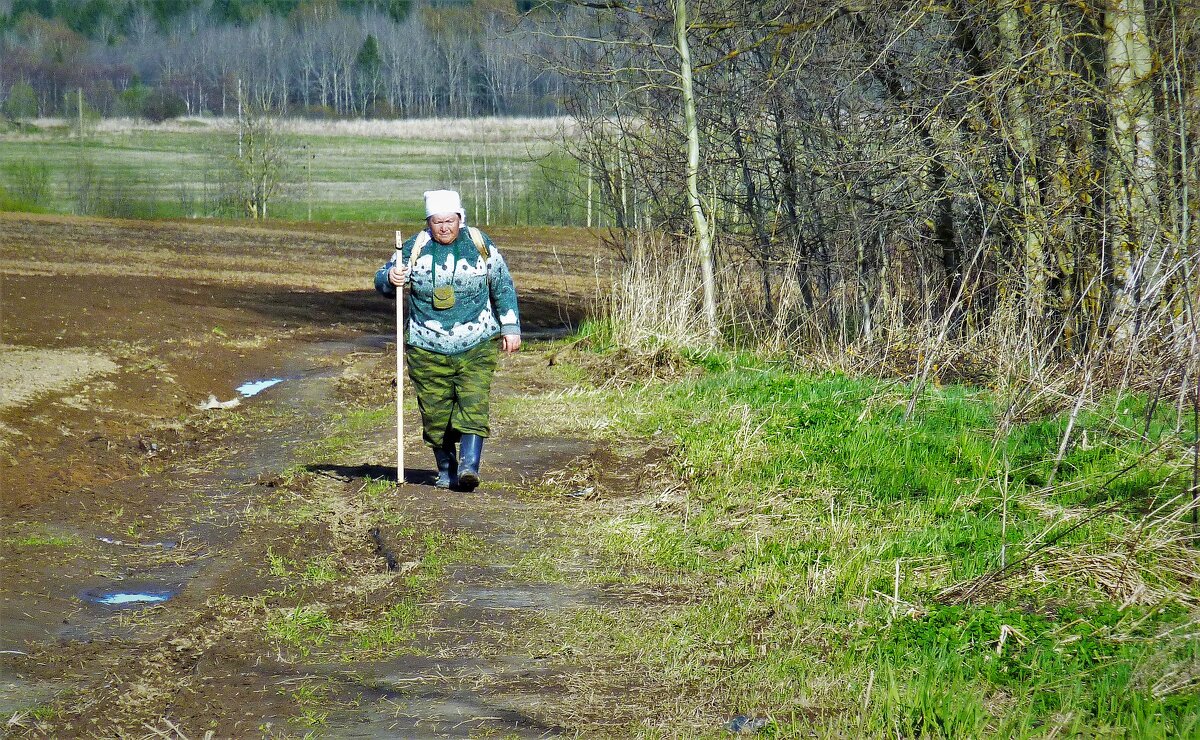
(443, 201)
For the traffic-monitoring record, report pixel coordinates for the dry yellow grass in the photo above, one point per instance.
(483, 128)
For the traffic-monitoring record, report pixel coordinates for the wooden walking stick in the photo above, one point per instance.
(399, 260)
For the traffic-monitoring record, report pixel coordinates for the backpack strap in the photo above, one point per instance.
(477, 237)
(423, 238)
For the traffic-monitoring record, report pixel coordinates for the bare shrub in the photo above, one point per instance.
(29, 181)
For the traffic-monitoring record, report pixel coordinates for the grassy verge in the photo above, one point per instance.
(831, 567)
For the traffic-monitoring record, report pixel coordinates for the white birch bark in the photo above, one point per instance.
(699, 220)
(1031, 221)
(1131, 164)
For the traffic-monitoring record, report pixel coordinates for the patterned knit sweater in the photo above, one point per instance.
(485, 299)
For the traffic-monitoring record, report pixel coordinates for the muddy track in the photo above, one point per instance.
(171, 572)
(205, 660)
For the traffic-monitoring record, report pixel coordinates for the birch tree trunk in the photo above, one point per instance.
(1131, 167)
(699, 220)
(1030, 220)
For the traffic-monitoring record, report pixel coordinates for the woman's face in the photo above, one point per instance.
(445, 227)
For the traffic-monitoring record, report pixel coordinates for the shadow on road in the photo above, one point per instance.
(375, 472)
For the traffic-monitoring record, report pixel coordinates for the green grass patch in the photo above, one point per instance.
(393, 628)
(318, 570)
(303, 627)
(1070, 661)
(43, 540)
(311, 701)
(329, 449)
(10, 202)
(345, 435)
(439, 550)
(37, 535)
(825, 531)
(376, 487)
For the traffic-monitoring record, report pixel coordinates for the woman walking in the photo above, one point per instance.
(462, 298)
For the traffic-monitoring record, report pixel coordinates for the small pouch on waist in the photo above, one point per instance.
(443, 297)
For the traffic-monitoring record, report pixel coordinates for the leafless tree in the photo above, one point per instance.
(969, 174)
(258, 158)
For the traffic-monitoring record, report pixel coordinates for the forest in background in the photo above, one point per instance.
(160, 59)
(955, 188)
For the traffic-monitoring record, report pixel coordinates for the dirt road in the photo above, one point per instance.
(253, 569)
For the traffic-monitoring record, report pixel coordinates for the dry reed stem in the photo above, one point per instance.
(655, 302)
(1151, 564)
(1003, 349)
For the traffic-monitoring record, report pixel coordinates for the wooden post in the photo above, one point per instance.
(399, 366)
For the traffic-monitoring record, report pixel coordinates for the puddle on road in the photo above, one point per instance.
(254, 387)
(127, 598)
(118, 598)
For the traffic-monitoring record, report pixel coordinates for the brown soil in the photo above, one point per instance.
(282, 614)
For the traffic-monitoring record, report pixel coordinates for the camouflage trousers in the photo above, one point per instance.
(453, 390)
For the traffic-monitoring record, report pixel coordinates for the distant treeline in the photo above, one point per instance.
(321, 58)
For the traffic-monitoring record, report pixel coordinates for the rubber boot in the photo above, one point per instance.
(447, 466)
(468, 469)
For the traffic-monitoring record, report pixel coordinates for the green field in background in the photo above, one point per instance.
(182, 174)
